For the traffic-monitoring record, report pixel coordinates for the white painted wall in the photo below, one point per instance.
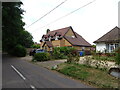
(100, 47)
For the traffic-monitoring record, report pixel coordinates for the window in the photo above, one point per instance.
(73, 36)
(49, 38)
(83, 48)
(43, 39)
(116, 46)
(50, 48)
(56, 38)
(111, 47)
(107, 47)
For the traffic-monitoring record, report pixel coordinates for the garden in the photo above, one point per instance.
(89, 75)
(113, 56)
(69, 53)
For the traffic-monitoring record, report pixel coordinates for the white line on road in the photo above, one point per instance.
(33, 87)
(18, 72)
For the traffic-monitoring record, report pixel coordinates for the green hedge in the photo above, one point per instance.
(41, 56)
(18, 51)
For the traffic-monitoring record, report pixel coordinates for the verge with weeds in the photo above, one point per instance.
(90, 75)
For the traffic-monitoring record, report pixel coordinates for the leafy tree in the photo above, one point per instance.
(26, 39)
(13, 32)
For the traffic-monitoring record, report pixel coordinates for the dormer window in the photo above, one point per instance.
(40, 40)
(43, 39)
(56, 38)
(73, 36)
(49, 38)
(58, 34)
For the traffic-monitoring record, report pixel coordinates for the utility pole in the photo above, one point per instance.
(119, 14)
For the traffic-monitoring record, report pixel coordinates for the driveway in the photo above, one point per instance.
(47, 64)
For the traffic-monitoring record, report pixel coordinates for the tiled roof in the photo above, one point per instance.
(112, 36)
(61, 31)
(79, 41)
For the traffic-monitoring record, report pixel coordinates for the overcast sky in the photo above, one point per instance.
(91, 22)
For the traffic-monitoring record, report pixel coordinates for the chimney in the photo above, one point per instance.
(48, 30)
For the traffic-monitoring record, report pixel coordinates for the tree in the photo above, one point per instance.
(26, 39)
(11, 24)
(12, 27)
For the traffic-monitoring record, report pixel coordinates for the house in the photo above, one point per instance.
(109, 42)
(65, 37)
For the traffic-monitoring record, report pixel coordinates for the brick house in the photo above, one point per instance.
(65, 37)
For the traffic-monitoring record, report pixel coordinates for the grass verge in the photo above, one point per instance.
(105, 58)
(90, 75)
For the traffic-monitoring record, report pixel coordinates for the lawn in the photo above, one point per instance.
(90, 75)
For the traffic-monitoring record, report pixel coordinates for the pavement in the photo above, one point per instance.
(17, 73)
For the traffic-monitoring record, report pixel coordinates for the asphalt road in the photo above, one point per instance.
(18, 73)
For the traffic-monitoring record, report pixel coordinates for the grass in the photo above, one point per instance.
(104, 58)
(90, 75)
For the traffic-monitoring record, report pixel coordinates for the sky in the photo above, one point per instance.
(91, 22)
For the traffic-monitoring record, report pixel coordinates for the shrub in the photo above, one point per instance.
(58, 53)
(18, 51)
(35, 46)
(41, 56)
(73, 56)
(66, 52)
(117, 56)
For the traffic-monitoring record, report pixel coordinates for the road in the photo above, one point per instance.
(18, 73)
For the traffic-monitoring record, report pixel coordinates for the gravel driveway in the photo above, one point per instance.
(46, 64)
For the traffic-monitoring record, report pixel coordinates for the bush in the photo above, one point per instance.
(35, 46)
(117, 56)
(58, 53)
(69, 53)
(73, 56)
(41, 56)
(18, 51)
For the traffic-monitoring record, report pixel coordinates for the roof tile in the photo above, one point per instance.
(111, 36)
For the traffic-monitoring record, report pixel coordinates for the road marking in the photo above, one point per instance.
(18, 72)
(33, 87)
